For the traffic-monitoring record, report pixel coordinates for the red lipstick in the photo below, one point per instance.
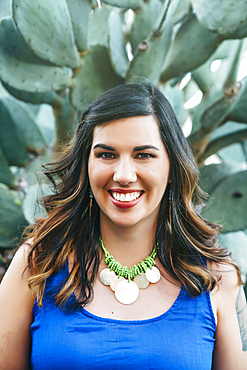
(121, 204)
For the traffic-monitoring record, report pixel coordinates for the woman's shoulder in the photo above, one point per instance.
(226, 275)
(225, 292)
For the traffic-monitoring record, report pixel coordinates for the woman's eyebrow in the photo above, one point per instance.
(103, 146)
(144, 147)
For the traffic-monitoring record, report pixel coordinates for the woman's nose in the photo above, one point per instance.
(124, 172)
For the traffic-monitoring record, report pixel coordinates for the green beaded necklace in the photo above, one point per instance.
(124, 271)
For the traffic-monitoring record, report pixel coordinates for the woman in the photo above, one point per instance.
(123, 192)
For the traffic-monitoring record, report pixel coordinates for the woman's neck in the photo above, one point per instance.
(128, 245)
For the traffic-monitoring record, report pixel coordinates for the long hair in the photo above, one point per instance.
(186, 241)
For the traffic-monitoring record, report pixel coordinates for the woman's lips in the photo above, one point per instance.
(126, 198)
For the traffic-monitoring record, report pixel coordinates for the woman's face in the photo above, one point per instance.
(128, 170)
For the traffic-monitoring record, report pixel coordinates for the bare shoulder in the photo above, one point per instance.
(228, 352)
(226, 275)
(16, 303)
(19, 262)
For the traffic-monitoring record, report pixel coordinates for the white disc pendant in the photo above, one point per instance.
(115, 281)
(153, 276)
(141, 281)
(127, 292)
(106, 276)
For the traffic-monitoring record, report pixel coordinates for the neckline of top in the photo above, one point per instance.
(119, 321)
(143, 321)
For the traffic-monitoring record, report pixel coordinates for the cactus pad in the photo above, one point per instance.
(23, 70)
(95, 77)
(232, 193)
(221, 16)
(47, 28)
(126, 4)
(80, 13)
(150, 55)
(192, 46)
(239, 110)
(97, 33)
(25, 125)
(144, 21)
(12, 145)
(117, 44)
(6, 176)
(10, 215)
(50, 97)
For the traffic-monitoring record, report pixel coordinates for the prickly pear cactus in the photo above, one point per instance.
(56, 57)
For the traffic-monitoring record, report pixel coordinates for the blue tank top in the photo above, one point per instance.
(180, 339)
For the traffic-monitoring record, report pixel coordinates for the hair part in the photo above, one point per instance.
(184, 245)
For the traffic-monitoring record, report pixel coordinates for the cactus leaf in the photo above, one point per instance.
(49, 97)
(126, 4)
(240, 32)
(221, 16)
(95, 77)
(238, 112)
(227, 137)
(190, 89)
(143, 22)
(229, 52)
(168, 9)
(183, 9)
(214, 108)
(12, 145)
(30, 207)
(181, 59)
(46, 122)
(234, 152)
(47, 28)
(175, 98)
(228, 71)
(232, 193)
(97, 33)
(236, 243)
(117, 44)
(150, 54)
(212, 175)
(10, 215)
(5, 8)
(6, 176)
(25, 125)
(22, 69)
(80, 13)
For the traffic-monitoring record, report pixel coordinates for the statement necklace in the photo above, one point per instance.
(126, 282)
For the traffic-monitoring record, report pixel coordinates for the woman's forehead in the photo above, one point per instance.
(131, 128)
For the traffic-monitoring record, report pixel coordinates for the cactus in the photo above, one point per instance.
(47, 28)
(117, 44)
(66, 53)
(232, 192)
(80, 14)
(22, 69)
(11, 215)
(221, 16)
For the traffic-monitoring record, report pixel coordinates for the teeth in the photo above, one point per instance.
(126, 197)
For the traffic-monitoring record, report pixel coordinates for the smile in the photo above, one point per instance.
(126, 197)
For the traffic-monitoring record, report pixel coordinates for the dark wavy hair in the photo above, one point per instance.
(186, 241)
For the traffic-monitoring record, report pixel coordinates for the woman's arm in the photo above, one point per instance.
(16, 302)
(228, 352)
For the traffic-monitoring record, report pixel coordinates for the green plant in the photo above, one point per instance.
(63, 54)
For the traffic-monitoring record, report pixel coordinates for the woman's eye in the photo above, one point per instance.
(145, 155)
(105, 155)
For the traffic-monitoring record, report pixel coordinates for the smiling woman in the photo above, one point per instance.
(124, 178)
(122, 267)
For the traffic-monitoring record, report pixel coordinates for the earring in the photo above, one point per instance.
(170, 206)
(90, 203)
